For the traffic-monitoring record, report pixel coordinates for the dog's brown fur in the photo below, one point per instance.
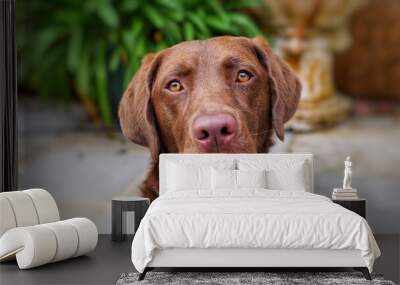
(152, 116)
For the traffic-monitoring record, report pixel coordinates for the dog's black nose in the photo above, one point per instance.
(219, 129)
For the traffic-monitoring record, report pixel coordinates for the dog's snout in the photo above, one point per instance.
(219, 129)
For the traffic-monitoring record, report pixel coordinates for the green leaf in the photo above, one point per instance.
(74, 49)
(137, 27)
(140, 46)
(44, 40)
(202, 36)
(218, 23)
(153, 15)
(189, 31)
(134, 39)
(172, 10)
(82, 76)
(130, 5)
(130, 70)
(115, 59)
(69, 17)
(174, 5)
(107, 13)
(198, 23)
(218, 15)
(101, 84)
(128, 39)
(47, 70)
(173, 32)
(241, 4)
(177, 16)
(160, 46)
(216, 7)
(246, 25)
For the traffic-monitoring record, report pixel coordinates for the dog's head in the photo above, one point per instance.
(225, 94)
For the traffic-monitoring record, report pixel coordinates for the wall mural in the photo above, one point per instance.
(70, 83)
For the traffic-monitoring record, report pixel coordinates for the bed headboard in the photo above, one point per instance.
(210, 158)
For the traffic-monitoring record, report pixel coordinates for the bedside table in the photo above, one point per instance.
(119, 205)
(358, 206)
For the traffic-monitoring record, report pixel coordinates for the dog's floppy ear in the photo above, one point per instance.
(284, 86)
(136, 114)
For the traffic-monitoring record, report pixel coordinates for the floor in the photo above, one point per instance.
(110, 260)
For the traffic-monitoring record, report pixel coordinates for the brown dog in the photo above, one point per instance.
(225, 94)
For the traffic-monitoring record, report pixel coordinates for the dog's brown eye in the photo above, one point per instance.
(174, 86)
(243, 76)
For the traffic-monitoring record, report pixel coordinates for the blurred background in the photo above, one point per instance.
(77, 57)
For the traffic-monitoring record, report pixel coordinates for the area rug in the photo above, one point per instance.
(268, 278)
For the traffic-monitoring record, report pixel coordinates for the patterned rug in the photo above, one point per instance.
(269, 278)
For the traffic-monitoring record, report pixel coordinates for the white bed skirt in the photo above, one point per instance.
(236, 257)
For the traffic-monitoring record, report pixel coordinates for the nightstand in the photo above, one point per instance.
(120, 206)
(358, 206)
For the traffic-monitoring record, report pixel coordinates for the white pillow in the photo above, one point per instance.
(293, 180)
(192, 174)
(251, 178)
(223, 179)
(281, 174)
(235, 179)
(181, 177)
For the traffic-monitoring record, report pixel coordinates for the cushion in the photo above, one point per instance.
(23, 208)
(40, 244)
(45, 205)
(236, 179)
(281, 174)
(26, 208)
(181, 177)
(251, 178)
(223, 179)
(187, 174)
(7, 220)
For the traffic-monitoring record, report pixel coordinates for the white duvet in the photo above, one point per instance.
(252, 218)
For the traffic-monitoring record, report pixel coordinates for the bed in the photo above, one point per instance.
(247, 211)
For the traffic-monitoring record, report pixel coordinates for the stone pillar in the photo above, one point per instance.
(308, 33)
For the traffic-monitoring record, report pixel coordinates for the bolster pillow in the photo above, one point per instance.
(26, 208)
(40, 244)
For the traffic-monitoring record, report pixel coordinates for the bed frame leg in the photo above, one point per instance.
(364, 271)
(143, 274)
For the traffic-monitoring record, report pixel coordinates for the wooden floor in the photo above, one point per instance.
(110, 260)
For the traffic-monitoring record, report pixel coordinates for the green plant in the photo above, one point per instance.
(69, 47)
